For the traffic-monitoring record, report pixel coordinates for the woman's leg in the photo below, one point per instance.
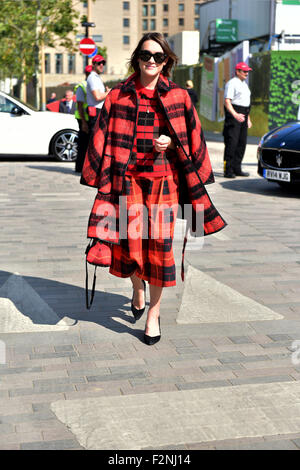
(152, 325)
(138, 292)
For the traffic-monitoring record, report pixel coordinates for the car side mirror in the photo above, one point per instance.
(16, 111)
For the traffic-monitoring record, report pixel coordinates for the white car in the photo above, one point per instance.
(26, 131)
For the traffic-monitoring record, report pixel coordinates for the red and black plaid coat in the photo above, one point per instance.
(111, 144)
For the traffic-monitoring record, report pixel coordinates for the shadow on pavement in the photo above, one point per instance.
(218, 137)
(68, 300)
(56, 169)
(261, 186)
(27, 158)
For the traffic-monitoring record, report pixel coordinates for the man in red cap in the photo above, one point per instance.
(96, 91)
(237, 121)
(82, 117)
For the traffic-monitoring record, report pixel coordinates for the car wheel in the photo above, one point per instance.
(64, 145)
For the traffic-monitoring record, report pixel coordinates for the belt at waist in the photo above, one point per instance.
(241, 109)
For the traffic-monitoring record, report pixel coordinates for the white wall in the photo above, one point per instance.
(191, 46)
(186, 45)
(287, 19)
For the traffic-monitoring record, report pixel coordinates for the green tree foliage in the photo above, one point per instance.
(25, 25)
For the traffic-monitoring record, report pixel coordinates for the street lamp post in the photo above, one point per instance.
(87, 25)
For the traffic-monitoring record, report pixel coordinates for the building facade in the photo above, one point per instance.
(169, 16)
(116, 28)
(119, 25)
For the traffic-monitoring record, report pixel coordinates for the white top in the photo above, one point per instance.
(70, 104)
(94, 82)
(238, 92)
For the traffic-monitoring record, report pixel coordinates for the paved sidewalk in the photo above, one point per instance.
(226, 372)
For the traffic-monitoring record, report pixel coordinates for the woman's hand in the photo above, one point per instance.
(162, 143)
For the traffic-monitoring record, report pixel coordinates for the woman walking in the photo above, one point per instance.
(148, 138)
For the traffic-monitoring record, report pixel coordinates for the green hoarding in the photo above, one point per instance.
(284, 87)
(226, 30)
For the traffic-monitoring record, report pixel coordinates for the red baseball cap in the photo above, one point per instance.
(242, 66)
(98, 58)
(88, 68)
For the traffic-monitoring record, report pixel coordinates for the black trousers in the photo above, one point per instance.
(93, 119)
(235, 139)
(83, 141)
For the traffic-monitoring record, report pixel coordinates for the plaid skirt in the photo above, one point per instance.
(146, 250)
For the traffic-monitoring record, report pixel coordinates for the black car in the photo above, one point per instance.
(278, 154)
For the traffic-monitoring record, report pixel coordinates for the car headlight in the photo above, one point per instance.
(261, 141)
(258, 154)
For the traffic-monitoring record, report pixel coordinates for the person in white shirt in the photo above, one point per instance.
(96, 92)
(237, 121)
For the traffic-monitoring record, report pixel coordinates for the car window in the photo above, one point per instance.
(6, 105)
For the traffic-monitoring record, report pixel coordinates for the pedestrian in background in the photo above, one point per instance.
(52, 98)
(190, 89)
(96, 92)
(237, 121)
(67, 105)
(82, 117)
(147, 135)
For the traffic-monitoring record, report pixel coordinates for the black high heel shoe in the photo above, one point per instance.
(150, 340)
(138, 312)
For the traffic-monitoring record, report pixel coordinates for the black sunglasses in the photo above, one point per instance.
(158, 57)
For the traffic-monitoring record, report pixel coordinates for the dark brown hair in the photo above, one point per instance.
(157, 37)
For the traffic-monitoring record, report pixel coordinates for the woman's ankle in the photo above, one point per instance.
(153, 315)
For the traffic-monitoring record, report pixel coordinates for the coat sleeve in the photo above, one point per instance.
(197, 144)
(90, 175)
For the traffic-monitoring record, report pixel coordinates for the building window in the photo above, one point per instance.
(85, 4)
(152, 10)
(180, 7)
(71, 63)
(197, 23)
(126, 22)
(47, 63)
(145, 10)
(145, 25)
(166, 35)
(58, 63)
(165, 22)
(165, 8)
(181, 21)
(126, 6)
(126, 40)
(152, 25)
(197, 9)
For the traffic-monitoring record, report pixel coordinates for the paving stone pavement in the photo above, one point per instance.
(55, 354)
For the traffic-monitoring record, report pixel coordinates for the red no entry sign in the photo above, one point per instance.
(87, 46)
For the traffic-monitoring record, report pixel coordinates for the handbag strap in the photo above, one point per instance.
(89, 304)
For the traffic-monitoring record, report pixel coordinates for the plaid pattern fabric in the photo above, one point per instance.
(112, 141)
(151, 123)
(148, 251)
